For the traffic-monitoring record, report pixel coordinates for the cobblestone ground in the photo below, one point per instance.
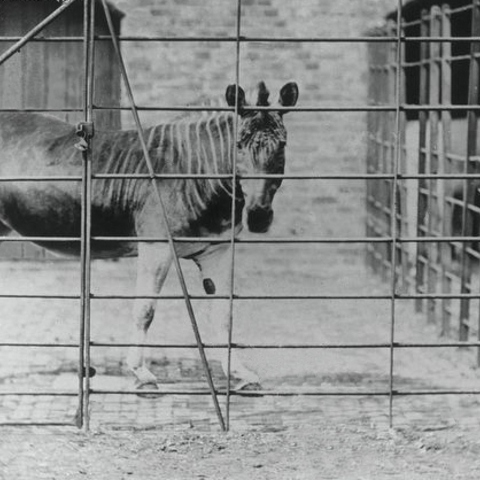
(348, 371)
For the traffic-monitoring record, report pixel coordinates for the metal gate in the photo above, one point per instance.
(384, 191)
(432, 243)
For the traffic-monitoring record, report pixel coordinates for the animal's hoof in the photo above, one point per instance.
(145, 390)
(246, 388)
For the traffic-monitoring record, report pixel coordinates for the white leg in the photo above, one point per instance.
(153, 263)
(214, 265)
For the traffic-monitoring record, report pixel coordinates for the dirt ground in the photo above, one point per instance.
(331, 452)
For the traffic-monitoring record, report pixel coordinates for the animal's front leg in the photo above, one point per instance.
(153, 264)
(215, 265)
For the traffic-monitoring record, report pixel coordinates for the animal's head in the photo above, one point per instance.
(261, 149)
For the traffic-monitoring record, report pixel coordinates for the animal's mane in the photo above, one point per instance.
(199, 143)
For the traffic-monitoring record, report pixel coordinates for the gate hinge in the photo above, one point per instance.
(85, 131)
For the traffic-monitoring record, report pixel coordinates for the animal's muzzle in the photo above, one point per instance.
(259, 219)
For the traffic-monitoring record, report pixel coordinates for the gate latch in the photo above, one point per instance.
(85, 132)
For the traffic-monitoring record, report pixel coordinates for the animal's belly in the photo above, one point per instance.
(53, 212)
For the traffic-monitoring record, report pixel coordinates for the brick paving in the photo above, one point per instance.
(180, 412)
(48, 369)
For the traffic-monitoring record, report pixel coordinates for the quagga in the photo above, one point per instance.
(41, 145)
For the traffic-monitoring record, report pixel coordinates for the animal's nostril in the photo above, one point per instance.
(259, 220)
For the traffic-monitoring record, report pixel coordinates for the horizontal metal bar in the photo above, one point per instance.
(283, 393)
(31, 423)
(240, 346)
(37, 296)
(323, 176)
(256, 39)
(289, 393)
(463, 8)
(246, 393)
(290, 297)
(282, 240)
(238, 297)
(249, 241)
(305, 346)
(172, 176)
(437, 39)
(4, 238)
(277, 393)
(325, 108)
(41, 178)
(319, 109)
(37, 345)
(40, 110)
(37, 393)
(214, 39)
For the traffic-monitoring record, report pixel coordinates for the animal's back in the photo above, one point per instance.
(35, 144)
(41, 145)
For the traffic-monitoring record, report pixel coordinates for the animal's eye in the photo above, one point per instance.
(282, 144)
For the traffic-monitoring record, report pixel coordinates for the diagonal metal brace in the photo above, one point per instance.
(15, 48)
(163, 213)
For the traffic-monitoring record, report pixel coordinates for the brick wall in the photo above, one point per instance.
(177, 73)
(327, 73)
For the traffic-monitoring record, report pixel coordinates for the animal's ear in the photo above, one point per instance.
(231, 96)
(288, 95)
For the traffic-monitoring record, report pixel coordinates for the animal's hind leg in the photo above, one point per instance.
(214, 265)
(153, 264)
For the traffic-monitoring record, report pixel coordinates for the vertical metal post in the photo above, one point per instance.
(422, 203)
(445, 165)
(373, 185)
(234, 195)
(369, 231)
(470, 167)
(404, 214)
(386, 167)
(394, 230)
(85, 254)
(433, 224)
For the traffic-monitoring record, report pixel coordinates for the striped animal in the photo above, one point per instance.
(33, 144)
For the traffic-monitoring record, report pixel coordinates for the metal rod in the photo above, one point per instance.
(262, 393)
(404, 296)
(294, 392)
(34, 31)
(232, 214)
(394, 223)
(251, 241)
(385, 345)
(29, 423)
(238, 297)
(324, 108)
(85, 250)
(332, 176)
(164, 217)
(247, 39)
